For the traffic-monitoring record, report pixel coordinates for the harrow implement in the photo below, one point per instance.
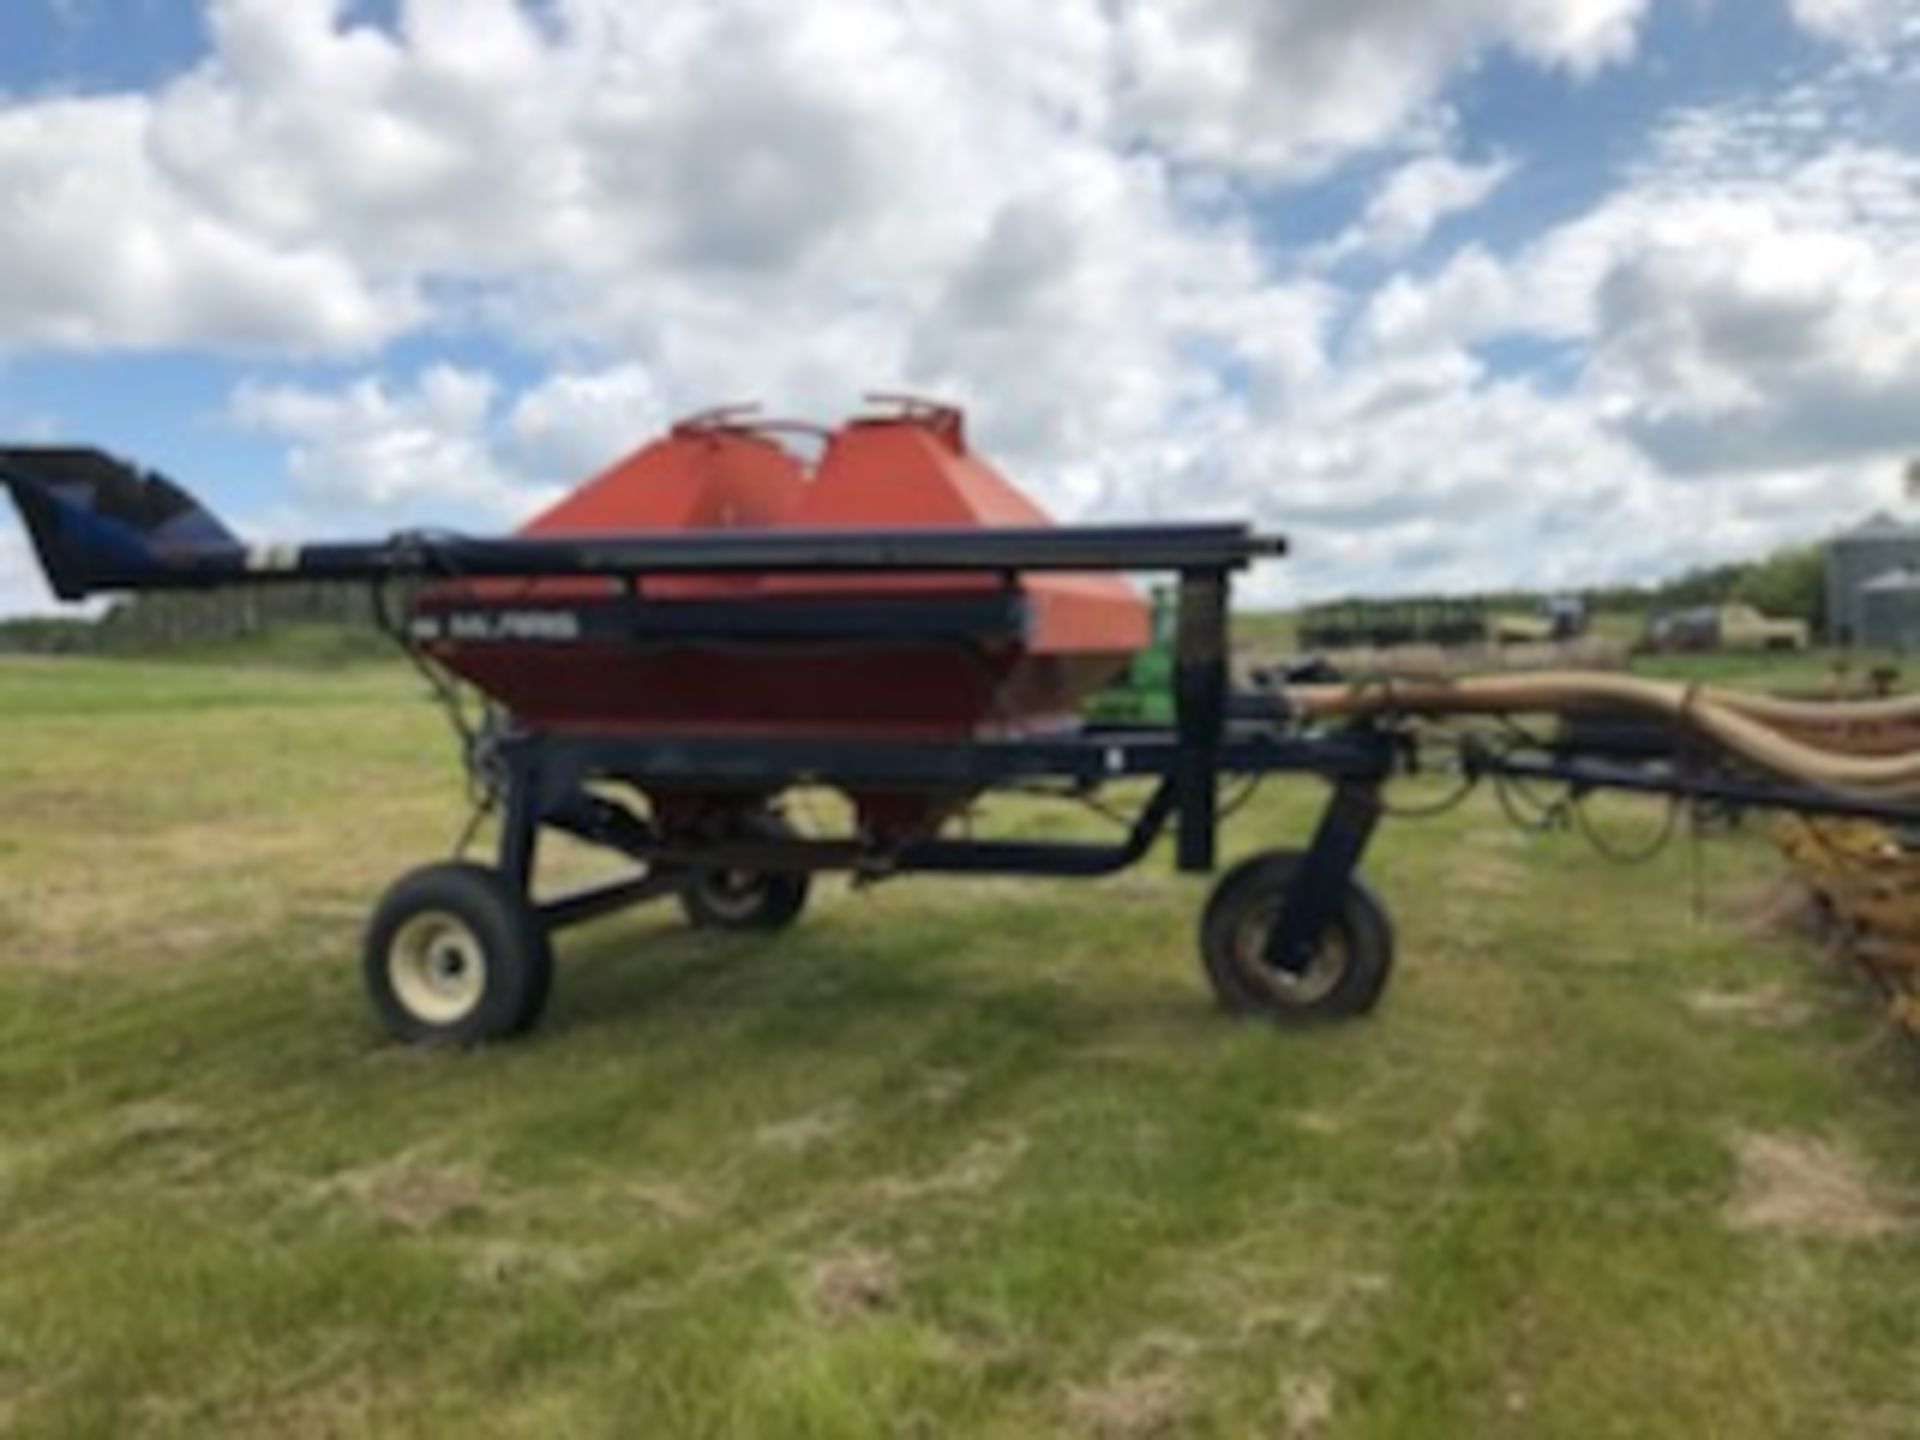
(1865, 884)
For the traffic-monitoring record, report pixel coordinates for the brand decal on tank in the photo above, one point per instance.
(496, 626)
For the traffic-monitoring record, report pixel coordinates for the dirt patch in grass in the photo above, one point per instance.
(413, 1193)
(511, 1262)
(852, 1284)
(1265, 1322)
(803, 1132)
(1804, 1187)
(664, 1200)
(1306, 1407)
(1134, 1407)
(1771, 1006)
(322, 1409)
(1782, 907)
(1483, 873)
(979, 1167)
(159, 1120)
(943, 1086)
(1316, 1122)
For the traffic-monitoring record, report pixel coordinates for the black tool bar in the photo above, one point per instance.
(1105, 547)
(1661, 779)
(1087, 756)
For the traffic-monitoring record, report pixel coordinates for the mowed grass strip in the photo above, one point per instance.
(951, 1157)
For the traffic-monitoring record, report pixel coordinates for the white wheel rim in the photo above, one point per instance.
(437, 967)
(1309, 986)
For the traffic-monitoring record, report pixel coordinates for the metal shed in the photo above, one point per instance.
(1889, 610)
(1876, 547)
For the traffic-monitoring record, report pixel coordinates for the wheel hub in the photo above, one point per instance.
(734, 892)
(437, 967)
(1304, 987)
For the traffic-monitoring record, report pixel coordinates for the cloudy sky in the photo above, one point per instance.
(1460, 293)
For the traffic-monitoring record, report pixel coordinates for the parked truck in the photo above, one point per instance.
(1735, 627)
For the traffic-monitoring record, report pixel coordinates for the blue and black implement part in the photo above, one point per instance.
(100, 525)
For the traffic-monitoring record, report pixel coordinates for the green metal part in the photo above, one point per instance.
(1143, 695)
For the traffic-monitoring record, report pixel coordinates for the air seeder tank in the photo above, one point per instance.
(926, 656)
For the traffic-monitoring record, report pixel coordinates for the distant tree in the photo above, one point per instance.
(1788, 583)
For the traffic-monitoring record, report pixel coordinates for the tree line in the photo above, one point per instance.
(165, 621)
(1788, 584)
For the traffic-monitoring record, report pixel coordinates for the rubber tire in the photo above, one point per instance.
(778, 898)
(776, 902)
(1360, 922)
(514, 945)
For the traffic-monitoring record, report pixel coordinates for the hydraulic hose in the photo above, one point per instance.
(1733, 722)
(1859, 727)
(1891, 709)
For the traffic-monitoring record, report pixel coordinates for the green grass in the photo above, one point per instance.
(295, 646)
(952, 1157)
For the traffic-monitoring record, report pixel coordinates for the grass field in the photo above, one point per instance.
(1616, 1156)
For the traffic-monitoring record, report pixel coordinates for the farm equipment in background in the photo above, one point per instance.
(1143, 693)
(1445, 623)
(713, 624)
(1746, 628)
(1387, 624)
(1556, 618)
(1734, 628)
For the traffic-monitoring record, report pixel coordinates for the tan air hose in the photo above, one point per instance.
(1889, 710)
(1732, 721)
(1858, 727)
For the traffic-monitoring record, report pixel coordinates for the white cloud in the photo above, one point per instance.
(1733, 336)
(373, 450)
(647, 181)
(1289, 88)
(1472, 296)
(1416, 198)
(444, 148)
(1749, 302)
(1863, 24)
(575, 424)
(750, 200)
(1747, 305)
(22, 588)
(97, 250)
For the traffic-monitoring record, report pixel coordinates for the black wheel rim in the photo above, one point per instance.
(1247, 944)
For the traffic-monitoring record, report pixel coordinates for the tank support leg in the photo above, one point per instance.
(1200, 711)
(520, 822)
(1314, 893)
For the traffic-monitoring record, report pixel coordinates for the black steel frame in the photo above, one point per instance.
(549, 781)
(556, 781)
